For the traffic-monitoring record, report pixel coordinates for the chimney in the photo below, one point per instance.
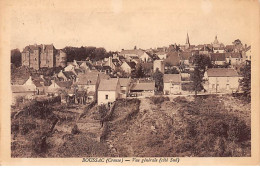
(110, 61)
(53, 82)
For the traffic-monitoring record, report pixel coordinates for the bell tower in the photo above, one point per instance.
(187, 45)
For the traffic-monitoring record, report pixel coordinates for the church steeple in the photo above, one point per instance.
(216, 40)
(187, 45)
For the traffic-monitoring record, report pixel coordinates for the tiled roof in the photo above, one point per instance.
(147, 86)
(218, 57)
(185, 55)
(87, 78)
(64, 84)
(108, 84)
(38, 47)
(176, 78)
(22, 88)
(222, 72)
(173, 58)
(236, 55)
(131, 64)
(124, 81)
(137, 52)
(69, 74)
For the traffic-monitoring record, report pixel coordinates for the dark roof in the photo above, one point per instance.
(131, 64)
(78, 71)
(176, 78)
(248, 48)
(221, 72)
(147, 86)
(108, 84)
(87, 78)
(173, 58)
(236, 55)
(69, 74)
(185, 55)
(64, 84)
(218, 57)
(38, 47)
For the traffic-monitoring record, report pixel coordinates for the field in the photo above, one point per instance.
(205, 126)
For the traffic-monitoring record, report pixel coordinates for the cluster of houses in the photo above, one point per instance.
(87, 81)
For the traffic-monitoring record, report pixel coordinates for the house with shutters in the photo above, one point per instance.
(221, 80)
(172, 84)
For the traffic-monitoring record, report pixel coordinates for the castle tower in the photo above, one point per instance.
(187, 45)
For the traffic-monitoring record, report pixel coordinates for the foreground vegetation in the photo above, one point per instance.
(202, 126)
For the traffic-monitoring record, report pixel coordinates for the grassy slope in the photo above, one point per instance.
(213, 126)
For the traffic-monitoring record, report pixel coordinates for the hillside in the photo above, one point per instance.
(184, 126)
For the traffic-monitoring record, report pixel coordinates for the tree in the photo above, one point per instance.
(139, 71)
(16, 57)
(201, 63)
(237, 42)
(102, 110)
(172, 70)
(158, 78)
(245, 82)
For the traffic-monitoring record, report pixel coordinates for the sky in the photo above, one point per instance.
(123, 24)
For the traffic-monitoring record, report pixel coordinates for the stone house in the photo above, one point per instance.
(172, 84)
(221, 80)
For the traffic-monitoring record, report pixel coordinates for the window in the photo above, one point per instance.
(213, 86)
(106, 96)
(227, 86)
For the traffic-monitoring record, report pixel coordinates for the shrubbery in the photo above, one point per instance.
(159, 100)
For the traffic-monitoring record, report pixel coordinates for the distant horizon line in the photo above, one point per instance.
(78, 46)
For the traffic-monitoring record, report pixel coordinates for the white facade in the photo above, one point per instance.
(125, 67)
(144, 57)
(105, 97)
(172, 88)
(109, 95)
(158, 64)
(221, 84)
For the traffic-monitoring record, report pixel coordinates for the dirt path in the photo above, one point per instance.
(145, 105)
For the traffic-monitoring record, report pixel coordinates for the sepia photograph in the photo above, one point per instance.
(123, 79)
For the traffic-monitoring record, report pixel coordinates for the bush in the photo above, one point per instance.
(180, 100)
(159, 100)
(75, 130)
